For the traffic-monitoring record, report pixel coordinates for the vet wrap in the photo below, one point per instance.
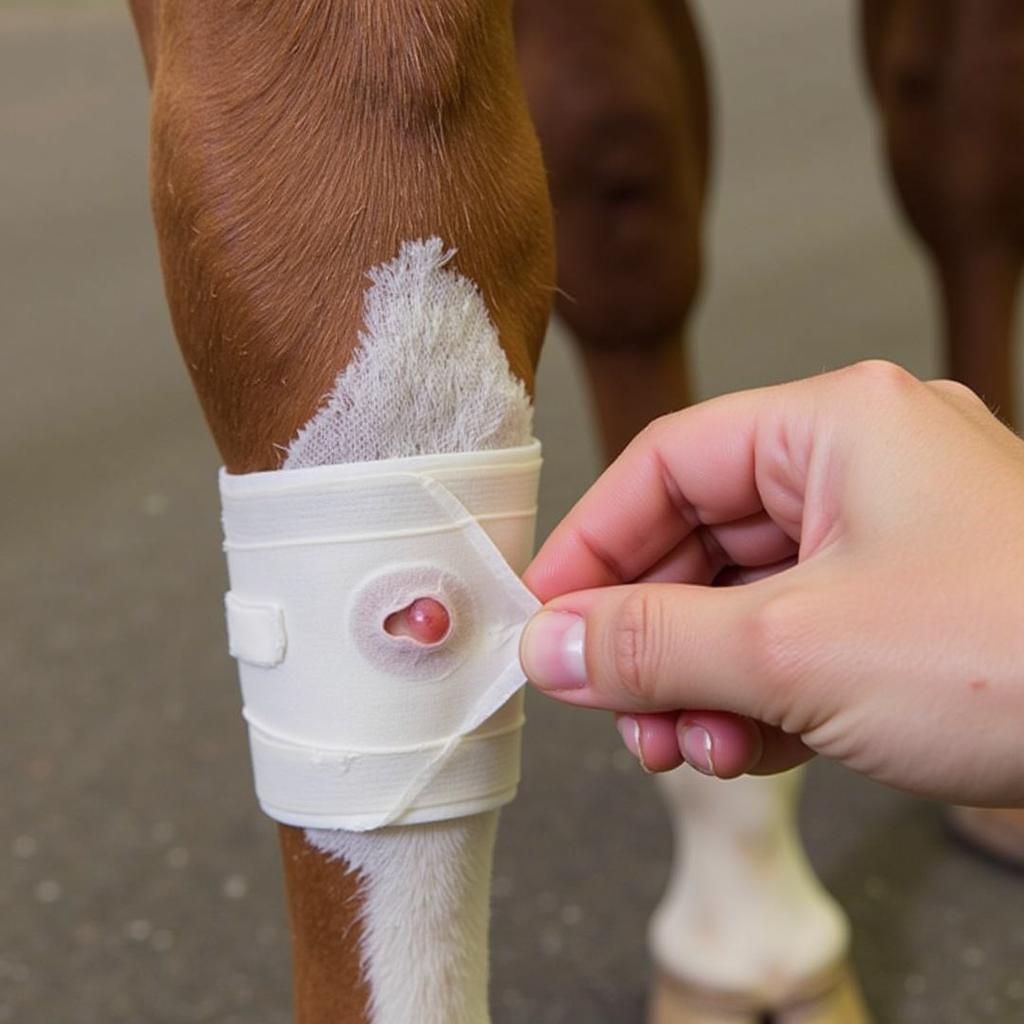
(349, 726)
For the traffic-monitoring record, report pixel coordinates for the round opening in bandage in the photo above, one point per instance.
(414, 621)
(426, 621)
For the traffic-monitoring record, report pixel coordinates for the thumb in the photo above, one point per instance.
(653, 647)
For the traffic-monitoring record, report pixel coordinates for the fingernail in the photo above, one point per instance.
(629, 730)
(552, 651)
(695, 745)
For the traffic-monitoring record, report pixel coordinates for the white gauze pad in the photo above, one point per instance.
(350, 727)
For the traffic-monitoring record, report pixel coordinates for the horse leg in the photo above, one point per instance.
(948, 78)
(294, 146)
(618, 93)
(745, 928)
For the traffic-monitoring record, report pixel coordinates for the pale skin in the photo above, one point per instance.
(860, 504)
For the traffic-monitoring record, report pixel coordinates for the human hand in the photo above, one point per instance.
(876, 524)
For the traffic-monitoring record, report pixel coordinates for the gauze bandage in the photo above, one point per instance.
(351, 727)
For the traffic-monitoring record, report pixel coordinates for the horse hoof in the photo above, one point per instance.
(994, 831)
(833, 998)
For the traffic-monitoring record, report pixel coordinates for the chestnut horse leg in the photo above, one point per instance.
(948, 77)
(295, 145)
(618, 93)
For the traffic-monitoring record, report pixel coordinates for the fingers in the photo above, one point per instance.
(693, 467)
(735, 576)
(749, 469)
(755, 543)
(650, 647)
(718, 744)
(780, 751)
(714, 743)
(651, 739)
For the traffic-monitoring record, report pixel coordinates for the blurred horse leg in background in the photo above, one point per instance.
(618, 94)
(948, 78)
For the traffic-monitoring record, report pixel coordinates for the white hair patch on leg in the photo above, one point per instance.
(425, 916)
(429, 377)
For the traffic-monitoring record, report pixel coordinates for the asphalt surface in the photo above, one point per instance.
(138, 881)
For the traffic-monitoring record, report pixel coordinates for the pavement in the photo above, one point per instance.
(138, 881)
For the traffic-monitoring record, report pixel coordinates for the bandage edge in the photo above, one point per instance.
(276, 481)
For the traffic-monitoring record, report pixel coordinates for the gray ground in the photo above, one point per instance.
(137, 879)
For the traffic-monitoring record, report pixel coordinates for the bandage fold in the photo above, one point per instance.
(351, 727)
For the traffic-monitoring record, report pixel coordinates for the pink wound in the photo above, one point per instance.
(425, 620)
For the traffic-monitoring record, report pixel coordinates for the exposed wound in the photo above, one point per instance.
(425, 621)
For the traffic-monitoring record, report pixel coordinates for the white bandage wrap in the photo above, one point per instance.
(351, 727)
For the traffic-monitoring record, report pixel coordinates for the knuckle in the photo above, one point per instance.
(878, 380)
(633, 644)
(658, 429)
(882, 374)
(779, 654)
(656, 433)
(960, 394)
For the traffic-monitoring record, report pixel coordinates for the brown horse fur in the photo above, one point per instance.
(296, 144)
